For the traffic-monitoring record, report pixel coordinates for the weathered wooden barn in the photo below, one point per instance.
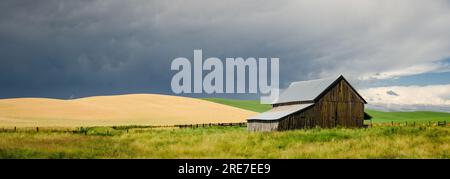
(324, 103)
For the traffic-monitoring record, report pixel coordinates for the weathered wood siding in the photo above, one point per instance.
(262, 125)
(340, 106)
(300, 120)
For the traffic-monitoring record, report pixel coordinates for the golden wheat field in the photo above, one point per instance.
(134, 109)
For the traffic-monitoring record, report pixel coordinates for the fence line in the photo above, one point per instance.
(413, 123)
(241, 124)
(82, 130)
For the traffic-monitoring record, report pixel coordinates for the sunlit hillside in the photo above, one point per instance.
(135, 109)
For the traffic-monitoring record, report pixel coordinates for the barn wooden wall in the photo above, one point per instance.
(260, 125)
(344, 102)
(305, 119)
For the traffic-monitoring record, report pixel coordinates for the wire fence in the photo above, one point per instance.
(411, 123)
(126, 128)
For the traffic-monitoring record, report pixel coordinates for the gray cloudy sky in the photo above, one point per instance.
(62, 48)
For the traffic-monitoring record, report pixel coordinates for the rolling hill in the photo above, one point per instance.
(378, 116)
(252, 105)
(134, 109)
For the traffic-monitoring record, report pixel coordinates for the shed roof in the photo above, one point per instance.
(305, 90)
(280, 112)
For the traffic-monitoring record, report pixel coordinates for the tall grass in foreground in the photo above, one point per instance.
(230, 142)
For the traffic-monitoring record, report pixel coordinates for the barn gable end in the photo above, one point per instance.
(340, 106)
(341, 85)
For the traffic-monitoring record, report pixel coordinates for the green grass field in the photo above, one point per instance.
(252, 105)
(378, 116)
(230, 142)
(416, 116)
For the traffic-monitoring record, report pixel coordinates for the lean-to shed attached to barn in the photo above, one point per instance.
(325, 103)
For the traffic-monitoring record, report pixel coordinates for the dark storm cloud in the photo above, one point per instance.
(62, 48)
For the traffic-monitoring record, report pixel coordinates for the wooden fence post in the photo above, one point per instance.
(392, 122)
(15, 129)
(37, 129)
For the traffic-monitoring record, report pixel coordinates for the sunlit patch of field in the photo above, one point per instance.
(135, 109)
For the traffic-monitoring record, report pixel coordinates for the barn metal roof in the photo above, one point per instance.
(305, 90)
(280, 112)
